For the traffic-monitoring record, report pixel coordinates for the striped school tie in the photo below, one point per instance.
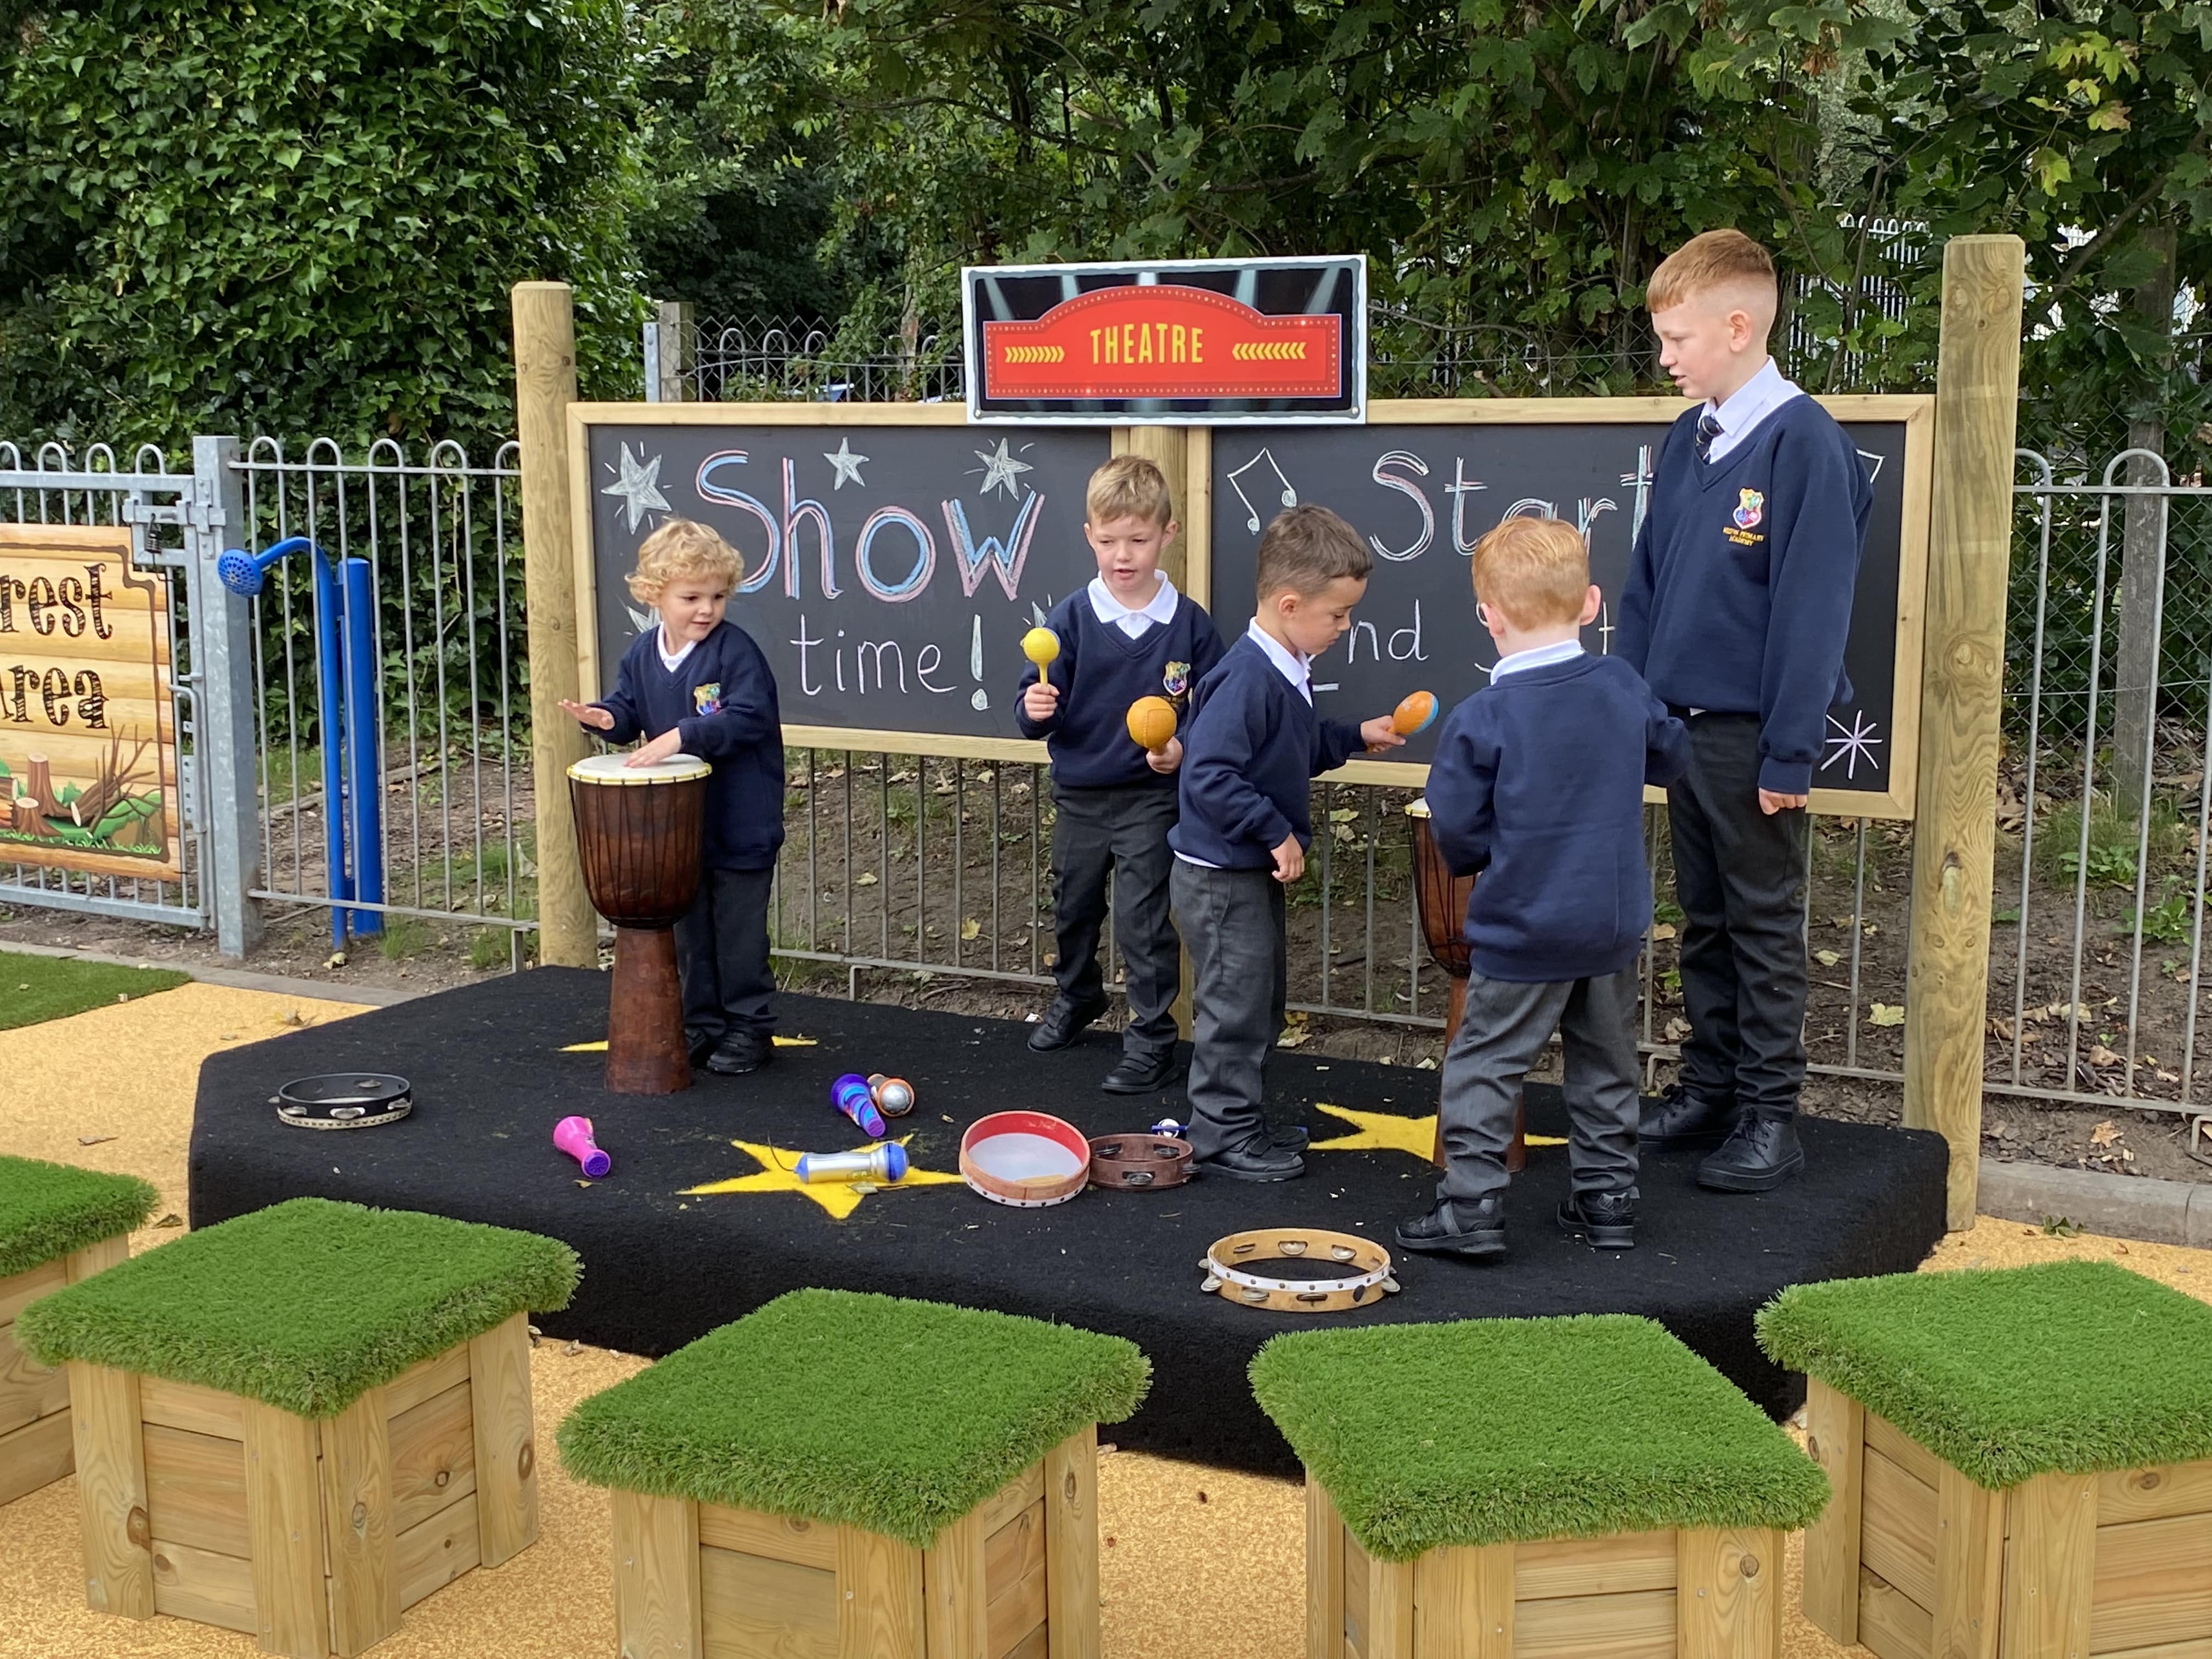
(1709, 427)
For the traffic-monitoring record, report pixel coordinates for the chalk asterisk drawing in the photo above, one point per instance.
(639, 486)
(847, 464)
(998, 469)
(1852, 744)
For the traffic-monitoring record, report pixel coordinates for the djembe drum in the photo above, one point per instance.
(639, 830)
(1441, 897)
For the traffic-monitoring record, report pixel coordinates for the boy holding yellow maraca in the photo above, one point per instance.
(1127, 637)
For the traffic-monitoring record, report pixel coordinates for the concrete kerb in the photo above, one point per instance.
(2120, 1206)
(318, 990)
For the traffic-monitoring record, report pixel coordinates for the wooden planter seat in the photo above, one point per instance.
(2052, 1496)
(58, 1225)
(844, 1476)
(310, 1530)
(1491, 1488)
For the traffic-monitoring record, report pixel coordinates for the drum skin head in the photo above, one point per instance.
(343, 1100)
(614, 768)
(1025, 1159)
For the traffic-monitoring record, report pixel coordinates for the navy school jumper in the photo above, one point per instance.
(1100, 671)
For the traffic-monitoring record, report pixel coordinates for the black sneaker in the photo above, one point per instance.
(1760, 1154)
(741, 1052)
(1138, 1074)
(1680, 1121)
(1063, 1023)
(1604, 1220)
(698, 1044)
(1475, 1231)
(1255, 1159)
(1293, 1135)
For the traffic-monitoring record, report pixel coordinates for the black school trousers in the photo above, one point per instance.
(1740, 879)
(1120, 833)
(721, 956)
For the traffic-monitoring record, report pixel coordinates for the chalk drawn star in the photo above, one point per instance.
(1387, 1132)
(1000, 469)
(847, 464)
(601, 1047)
(639, 486)
(1852, 744)
(776, 1175)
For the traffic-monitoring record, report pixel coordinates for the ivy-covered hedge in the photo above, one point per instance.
(302, 218)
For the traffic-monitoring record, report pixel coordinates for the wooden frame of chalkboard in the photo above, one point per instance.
(854, 418)
(1912, 422)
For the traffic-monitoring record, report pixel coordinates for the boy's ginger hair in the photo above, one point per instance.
(1304, 548)
(1129, 487)
(682, 547)
(1532, 572)
(1716, 261)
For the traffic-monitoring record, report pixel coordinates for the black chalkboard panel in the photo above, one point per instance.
(891, 570)
(1423, 495)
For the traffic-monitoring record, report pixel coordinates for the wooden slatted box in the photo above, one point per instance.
(2054, 1499)
(310, 1530)
(59, 1226)
(840, 1475)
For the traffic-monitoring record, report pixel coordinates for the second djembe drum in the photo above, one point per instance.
(1441, 897)
(639, 830)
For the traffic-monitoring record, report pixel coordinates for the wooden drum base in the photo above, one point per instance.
(1516, 1150)
(646, 1053)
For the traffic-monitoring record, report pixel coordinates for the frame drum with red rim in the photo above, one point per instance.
(1025, 1159)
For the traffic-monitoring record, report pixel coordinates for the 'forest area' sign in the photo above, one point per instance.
(88, 737)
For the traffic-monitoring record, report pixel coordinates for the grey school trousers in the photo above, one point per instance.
(1232, 923)
(1121, 830)
(1504, 1028)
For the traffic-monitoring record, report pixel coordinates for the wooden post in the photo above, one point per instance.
(1324, 1575)
(284, 1527)
(1728, 1592)
(657, 1591)
(2050, 1567)
(957, 1609)
(1168, 447)
(1389, 1609)
(678, 326)
(1970, 1558)
(110, 1477)
(545, 386)
(2142, 554)
(356, 1474)
(1835, 1434)
(1463, 1602)
(1071, 1545)
(506, 1447)
(1947, 985)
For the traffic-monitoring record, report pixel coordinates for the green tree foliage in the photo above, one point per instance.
(302, 218)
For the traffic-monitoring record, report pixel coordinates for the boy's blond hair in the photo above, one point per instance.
(1532, 572)
(1716, 261)
(682, 547)
(1129, 487)
(1304, 548)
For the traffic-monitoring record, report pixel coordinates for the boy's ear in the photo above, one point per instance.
(1593, 602)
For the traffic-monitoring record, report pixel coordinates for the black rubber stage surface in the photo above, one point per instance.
(661, 1267)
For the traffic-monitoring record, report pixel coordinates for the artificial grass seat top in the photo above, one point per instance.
(306, 1305)
(48, 1210)
(1483, 1431)
(2006, 1373)
(869, 1411)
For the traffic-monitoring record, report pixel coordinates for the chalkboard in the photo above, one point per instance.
(893, 560)
(1423, 489)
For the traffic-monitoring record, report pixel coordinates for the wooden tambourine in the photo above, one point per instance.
(1142, 1162)
(1228, 1265)
(343, 1100)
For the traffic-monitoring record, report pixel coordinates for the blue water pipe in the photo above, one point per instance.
(346, 698)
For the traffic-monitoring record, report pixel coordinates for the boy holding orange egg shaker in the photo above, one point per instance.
(1254, 743)
(1127, 637)
(1538, 785)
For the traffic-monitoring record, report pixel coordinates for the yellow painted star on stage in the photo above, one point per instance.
(601, 1047)
(1387, 1132)
(777, 1174)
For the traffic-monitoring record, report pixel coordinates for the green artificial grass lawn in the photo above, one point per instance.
(870, 1411)
(48, 1210)
(35, 988)
(2009, 1372)
(1484, 1429)
(306, 1305)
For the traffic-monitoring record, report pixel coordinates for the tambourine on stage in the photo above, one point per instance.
(639, 830)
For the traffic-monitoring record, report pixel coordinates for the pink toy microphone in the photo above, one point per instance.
(573, 1136)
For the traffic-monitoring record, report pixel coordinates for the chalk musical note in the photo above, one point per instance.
(1874, 471)
(1251, 514)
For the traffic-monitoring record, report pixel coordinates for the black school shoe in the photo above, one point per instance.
(698, 1044)
(1760, 1154)
(1256, 1158)
(1137, 1075)
(741, 1052)
(1679, 1122)
(1606, 1221)
(1063, 1023)
(1475, 1231)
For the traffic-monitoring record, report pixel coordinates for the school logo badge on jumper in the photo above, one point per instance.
(1176, 680)
(1750, 508)
(708, 699)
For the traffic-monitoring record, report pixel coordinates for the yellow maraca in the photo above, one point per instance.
(1040, 645)
(1153, 723)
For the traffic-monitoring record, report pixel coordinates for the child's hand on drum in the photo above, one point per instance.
(646, 754)
(590, 714)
